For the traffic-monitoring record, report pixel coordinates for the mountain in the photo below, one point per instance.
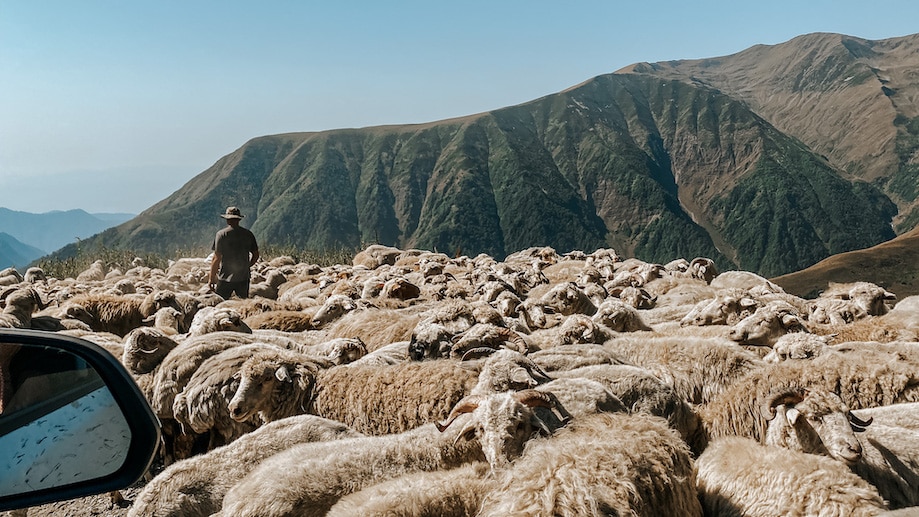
(16, 254)
(768, 160)
(892, 265)
(50, 231)
(852, 100)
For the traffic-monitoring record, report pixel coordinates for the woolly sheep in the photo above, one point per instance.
(726, 308)
(196, 486)
(569, 357)
(308, 479)
(603, 464)
(769, 322)
(642, 391)
(215, 319)
(698, 368)
(567, 299)
(619, 317)
(288, 321)
(443, 493)
(739, 477)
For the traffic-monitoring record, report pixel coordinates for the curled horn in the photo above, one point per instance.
(535, 398)
(515, 338)
(857, 423)
(467, 405)
(792, 396)
(478, 353)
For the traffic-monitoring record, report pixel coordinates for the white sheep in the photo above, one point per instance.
(196, 486)
(308, 479)
(739, 477)
(602, 464)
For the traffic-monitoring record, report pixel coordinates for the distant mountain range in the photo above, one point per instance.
(26, 236)
(768, 160)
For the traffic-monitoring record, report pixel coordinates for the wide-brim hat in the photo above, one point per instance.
(232, 213)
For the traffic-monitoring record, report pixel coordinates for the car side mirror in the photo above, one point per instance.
(72, 420)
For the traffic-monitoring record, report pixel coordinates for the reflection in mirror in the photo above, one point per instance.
(58, 422)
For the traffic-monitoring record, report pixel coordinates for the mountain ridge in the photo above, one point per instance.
(657, 161)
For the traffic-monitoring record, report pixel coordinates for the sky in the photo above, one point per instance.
(113, 105)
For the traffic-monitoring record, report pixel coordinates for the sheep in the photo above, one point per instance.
(737, 476)
(602, 464)
(196, 486)
(35, 275)
(94, 273)
(432, 336)
(905, 414)
(144, 351)
(389, 399)
(890, 462)
(726, 308)
(288, 321)
(861, 377)
(871, 299)
(202, 404)
(642, 391)
(636, 297)
(334, 307)
(567, 299)
(698, 368)
(444, 493)
(393, 353)
(486, 335)
(376, 327)
(116, 314)
(619, 317)
(797, 345)
(272, 386)
(574, 329)
(167, 319)
(769, 322)
(835, 312)
(569, 357)
(375, 255)
(18, 307)
(506, 370)
(308, 479)
(215, 319)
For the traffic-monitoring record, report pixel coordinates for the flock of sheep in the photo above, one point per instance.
(411, 383)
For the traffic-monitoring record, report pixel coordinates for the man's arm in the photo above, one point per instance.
(253, 257)
(215, 266)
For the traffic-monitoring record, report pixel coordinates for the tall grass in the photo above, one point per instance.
(124, 259)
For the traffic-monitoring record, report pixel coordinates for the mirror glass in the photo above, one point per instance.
(59, 423)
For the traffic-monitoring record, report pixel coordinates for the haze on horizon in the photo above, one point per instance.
(111, 106)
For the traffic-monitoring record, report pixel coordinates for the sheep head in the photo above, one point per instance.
(145, 348)
(502, 422)
(268, 380)
(814, 421)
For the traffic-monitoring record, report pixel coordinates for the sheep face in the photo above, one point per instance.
(145, 348)
(429, 341)
(269, 387)
(726, 309)
(767, 324)
(502, 422)
(335, 307)
(815, 422)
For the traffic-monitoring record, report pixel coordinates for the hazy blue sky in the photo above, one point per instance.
(110, 106)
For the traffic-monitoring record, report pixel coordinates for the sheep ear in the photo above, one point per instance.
(520, 376)
(791, 414)
(282, 374)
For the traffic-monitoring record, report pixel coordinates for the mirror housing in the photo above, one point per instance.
(84, 429)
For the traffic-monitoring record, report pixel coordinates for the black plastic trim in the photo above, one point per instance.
(144, 426)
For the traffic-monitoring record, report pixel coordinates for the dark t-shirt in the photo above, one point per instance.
(234, 246)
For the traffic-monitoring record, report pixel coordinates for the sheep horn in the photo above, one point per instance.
(467, 405)
(535, 398)
(858, 422)
(792, 396)
(515, 338)
(478, 353)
